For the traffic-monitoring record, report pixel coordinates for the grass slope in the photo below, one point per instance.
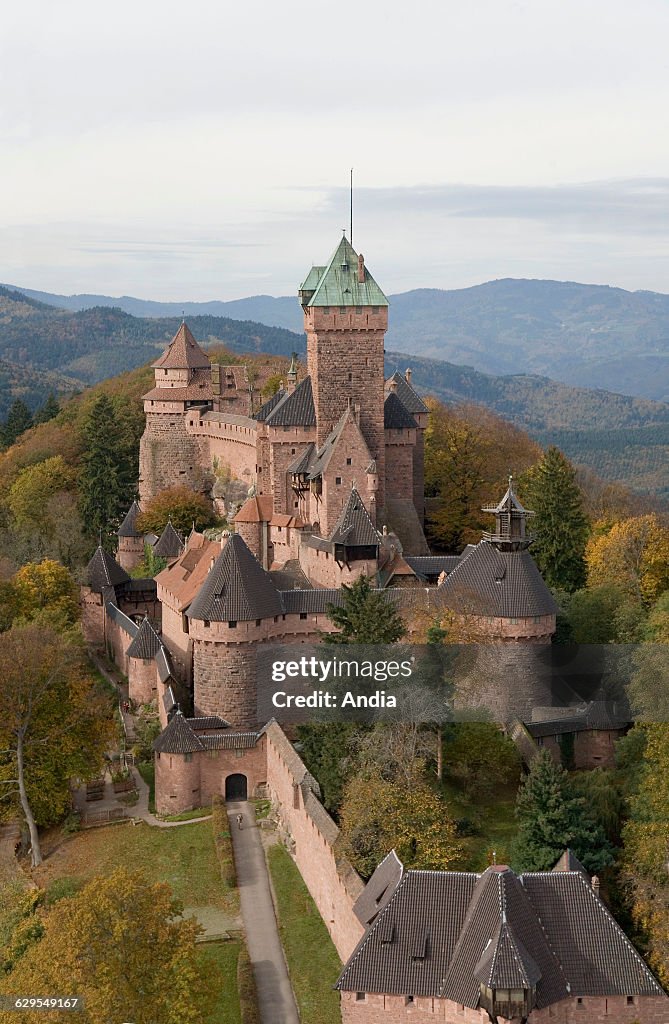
(302, 930)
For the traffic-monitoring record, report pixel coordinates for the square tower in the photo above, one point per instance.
(345, 320)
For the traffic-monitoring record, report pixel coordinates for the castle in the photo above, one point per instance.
(330, 473)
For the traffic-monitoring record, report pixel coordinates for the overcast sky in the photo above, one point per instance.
(202, 150)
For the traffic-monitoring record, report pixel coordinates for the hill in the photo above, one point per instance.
(586, 335)
(622, 439)
(95, 344)
(31, 386)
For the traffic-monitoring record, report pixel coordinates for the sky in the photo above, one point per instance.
(202, 151)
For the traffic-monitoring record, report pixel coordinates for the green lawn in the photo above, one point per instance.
(183, 856)
(220, 960)
(494, 825)
(312, 959)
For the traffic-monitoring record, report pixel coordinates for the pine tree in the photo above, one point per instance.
(560, 524)
(552, 818)
(18, 421)
(366, 617)
(106, 487)
(47, 411)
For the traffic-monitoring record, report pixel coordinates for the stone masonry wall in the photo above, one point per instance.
(92, 617)
(592, 748)
(399, 463)
(224, 682)
(324, 572)
(182, 785)
(169, 456)
(142, 680)
(373, 1008)
(312, 837)
(345, 361)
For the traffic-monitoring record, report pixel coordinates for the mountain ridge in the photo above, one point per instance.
(600, 336)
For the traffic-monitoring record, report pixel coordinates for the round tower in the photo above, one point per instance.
(170, 456)
(130, 550)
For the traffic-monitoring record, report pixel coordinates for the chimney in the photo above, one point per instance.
(595, 884)
(393, 385)
(361, 269)
(407, 375)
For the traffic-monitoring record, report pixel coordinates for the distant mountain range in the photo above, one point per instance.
(621, 437)
(586, 335)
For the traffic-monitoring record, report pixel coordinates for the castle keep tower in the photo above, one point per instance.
(345, 319)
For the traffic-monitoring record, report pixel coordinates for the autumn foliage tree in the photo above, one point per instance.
(122, 948)
(404, 813)
(54, 724)
(633, 553)
(180, 505)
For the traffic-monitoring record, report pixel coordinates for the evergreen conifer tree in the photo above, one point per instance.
(106, 486)
(552, 818)
(18, 421)
(366, 617)
(47, 411)
(560, 524)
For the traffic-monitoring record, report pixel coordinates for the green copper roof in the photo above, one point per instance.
(338, 285)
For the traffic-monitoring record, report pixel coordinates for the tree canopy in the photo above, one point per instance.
(365, 617)
(54, 723)
(120, 945)
(182, 506)
(560, 524)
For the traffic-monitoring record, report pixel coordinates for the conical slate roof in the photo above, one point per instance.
(102, 571)
(338, 285)
(146, 643)
(502, 584)
(570, 862)
(354, 527)
(169, 544)
(183, 353)
(128, 527)
(237, 588)
(271, 403)
(177, 737)
(395, 414)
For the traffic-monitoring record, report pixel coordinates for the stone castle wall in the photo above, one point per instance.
(325, 572)
(183, 784)
(169, 456)
(142, 680)
(592, 748)
(312, 839)
(384, 1009)
(399, 463)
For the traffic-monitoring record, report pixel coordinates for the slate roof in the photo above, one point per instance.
(597, 716)
(146, 643)
(506, 963)
(412, 402)
(103, 571)
(396, 416)
(314, 602)
(190, 735)
(337, 284)
(183, 578)
(501, 584)
(169, 544)
(295, 408)
(354, 528)
(379, 889)
(128, 527)
(270, 404)
(303, 464)
(442, 933)
(177, 737)
(183, 353)
(120, 618)
(432, 566)
(237, 588)
(322, 457)
(164, 662)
